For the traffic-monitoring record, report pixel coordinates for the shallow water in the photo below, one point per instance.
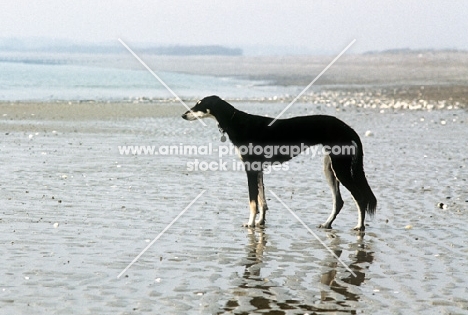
(108, 207)
(37, 81)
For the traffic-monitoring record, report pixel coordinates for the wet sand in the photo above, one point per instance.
(427, 77)
(75, 213)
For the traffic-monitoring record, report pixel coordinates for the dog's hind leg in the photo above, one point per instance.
(343, 171)
(335, 188)
(252, 179)
(262, 204)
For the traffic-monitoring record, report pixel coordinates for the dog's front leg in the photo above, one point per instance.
(262, 205)
(252, 179)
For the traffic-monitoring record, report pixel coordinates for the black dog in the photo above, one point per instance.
(250, 131)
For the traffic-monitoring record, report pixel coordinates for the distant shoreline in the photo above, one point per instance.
(408, 77)
(19, 46)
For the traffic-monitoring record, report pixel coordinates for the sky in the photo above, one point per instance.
(297, 25)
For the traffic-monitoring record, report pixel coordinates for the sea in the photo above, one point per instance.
(42, 79)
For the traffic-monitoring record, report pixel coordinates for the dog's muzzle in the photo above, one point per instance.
(189, 116)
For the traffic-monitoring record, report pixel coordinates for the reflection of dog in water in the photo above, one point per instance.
(256, 131)
(262, 291)
(328, 278)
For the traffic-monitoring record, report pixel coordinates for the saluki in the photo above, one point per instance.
(252, 131)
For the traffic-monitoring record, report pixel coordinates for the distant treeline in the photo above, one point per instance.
(410, 51)
(13, 45)
(193, 50)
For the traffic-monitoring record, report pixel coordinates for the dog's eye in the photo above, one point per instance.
(199, 102)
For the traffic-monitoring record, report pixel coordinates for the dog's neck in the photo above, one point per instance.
(224, 125)
(224, 113)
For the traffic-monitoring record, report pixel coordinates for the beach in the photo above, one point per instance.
(76, 210)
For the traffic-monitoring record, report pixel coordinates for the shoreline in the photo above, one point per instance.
(434, 78)
(422, 98)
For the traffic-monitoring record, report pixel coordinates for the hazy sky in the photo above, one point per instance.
(322, 26)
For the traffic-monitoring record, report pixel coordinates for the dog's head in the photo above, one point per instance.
(203, 109)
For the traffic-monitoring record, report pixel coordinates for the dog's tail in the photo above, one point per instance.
(357, 168)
